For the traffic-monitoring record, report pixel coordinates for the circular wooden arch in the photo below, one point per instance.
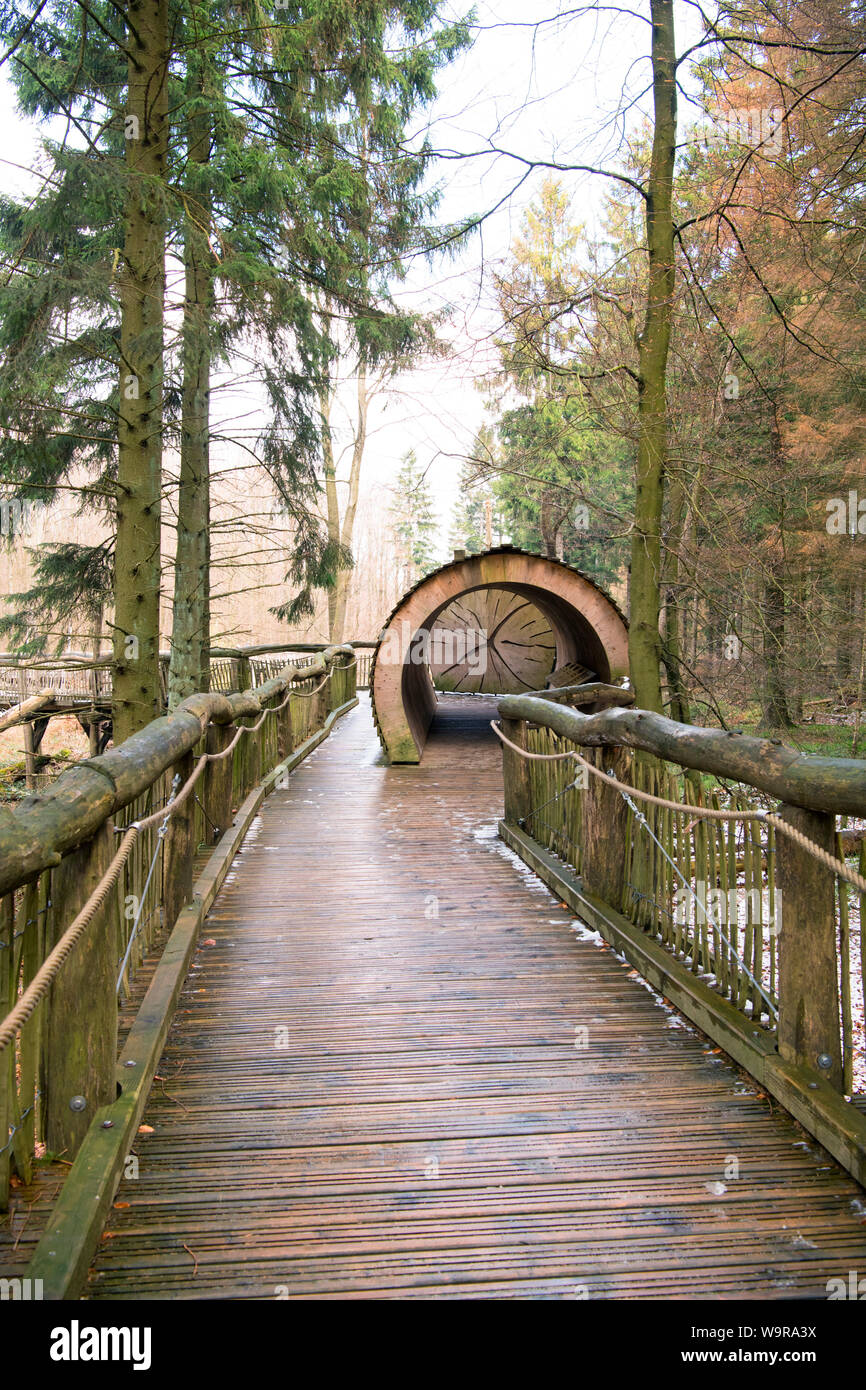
(586, 627)
(491, 641)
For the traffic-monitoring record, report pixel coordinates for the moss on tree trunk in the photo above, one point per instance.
(142, 294)
(653, 343)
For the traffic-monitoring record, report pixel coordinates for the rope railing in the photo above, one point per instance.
(716, 880)
(78, 811)
(829, 861)
(39, 987)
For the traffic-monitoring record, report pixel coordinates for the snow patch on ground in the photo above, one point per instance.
(253, 833)
(585, 933)
(674, 1019)
(488, 834)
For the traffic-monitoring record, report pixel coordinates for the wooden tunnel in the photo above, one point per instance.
(501, 622)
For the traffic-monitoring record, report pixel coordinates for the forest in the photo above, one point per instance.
(210, 255)
(432, 667)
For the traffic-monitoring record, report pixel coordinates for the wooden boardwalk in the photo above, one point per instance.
(373, 1089)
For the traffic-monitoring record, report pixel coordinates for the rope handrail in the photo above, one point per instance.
(837, 866)
(306, 694)
(161, 834)
(51, 966)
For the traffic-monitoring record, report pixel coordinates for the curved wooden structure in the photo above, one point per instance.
(503, 611)
(517, 653)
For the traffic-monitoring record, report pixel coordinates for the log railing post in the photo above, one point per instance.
(7, 1058)
(179, 850)
(253, 754)
(603, 827)
(27, 734)
(334, 688)
(268, 736)
(321, 705)
(244, 674)
(284, 729)
(218, 777)
(80, 1053)
(809, 1030)
(515, 773)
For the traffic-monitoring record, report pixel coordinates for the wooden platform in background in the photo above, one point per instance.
(424, 1125)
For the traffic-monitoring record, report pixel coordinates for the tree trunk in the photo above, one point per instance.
(673, 644)
(190, 635)
(347, 529)
(142, 293)
(774, 712)
(653, 343)
(338, 530)
(547, 524)
(331, 499)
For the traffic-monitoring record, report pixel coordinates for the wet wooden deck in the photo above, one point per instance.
(373, 1088)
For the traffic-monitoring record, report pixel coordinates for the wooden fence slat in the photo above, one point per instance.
(603, 830)
(7, 1058)
(81, 1024)
(808, 980)
(179, 847)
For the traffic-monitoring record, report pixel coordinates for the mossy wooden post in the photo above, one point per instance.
(81, 1012)
(603, 827)
(808, 982)
(179, 848)
(29, 755)
(334, 688)
(7, 1057)
(515, 773)
(218, 776)
(244, 673)
(284, 727)
(321, 703)
(32, 929)
(298, 715)
(253, 754)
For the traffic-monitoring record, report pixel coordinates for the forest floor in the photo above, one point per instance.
(64, 743)
(826, 732)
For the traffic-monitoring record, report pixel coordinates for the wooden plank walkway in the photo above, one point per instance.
(374, 1090)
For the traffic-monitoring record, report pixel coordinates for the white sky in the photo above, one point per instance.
(532, 87)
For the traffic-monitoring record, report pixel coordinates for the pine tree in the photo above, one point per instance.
(413, 522)
(477, 520)
(259, 196)
(562, 481)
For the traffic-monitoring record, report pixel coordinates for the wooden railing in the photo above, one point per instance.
(70, 679)
(96, 872)
(745, 912)
(233, 668)
(81, 678)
